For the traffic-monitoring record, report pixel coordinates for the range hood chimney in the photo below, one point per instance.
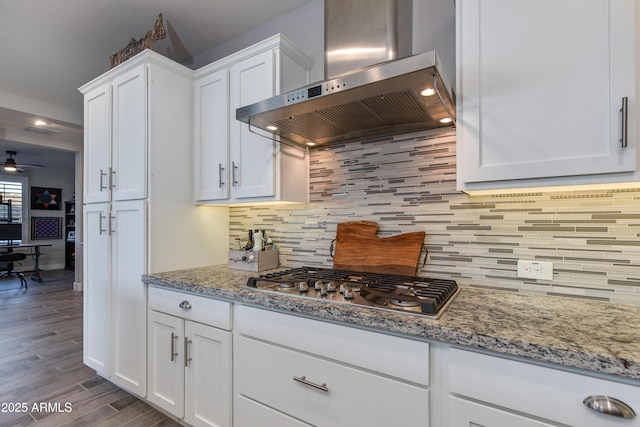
(373, 87)
(361, 33)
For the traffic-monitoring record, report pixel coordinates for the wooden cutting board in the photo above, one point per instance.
(358, 248)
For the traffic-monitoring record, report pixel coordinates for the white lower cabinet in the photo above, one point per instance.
(189, 367)
(292, 371)
(492, 391)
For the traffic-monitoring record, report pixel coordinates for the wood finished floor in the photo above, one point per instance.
(41, 363)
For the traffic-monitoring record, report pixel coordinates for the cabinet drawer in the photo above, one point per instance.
(209, 311)
(398, 357)
(342, 396)
(547, 393)
(249, 413)
(467, 413)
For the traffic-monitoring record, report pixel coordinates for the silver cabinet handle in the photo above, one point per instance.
(112, 229)
(174, 353)
(102, 175)
(185, 305)
(187, 359)
(610, 406)
(220, 175)
(304, 381)
(234, 175)
(101, 219)
(625, 116)
(111, 180)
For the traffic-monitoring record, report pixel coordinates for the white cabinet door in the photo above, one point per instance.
(129, 138)
(129, 259)
(211, 164)
(207, 376)
(540, 86)
(97, 144)
(97, 288)
(464, 413)
(166, 362)
(252, 156)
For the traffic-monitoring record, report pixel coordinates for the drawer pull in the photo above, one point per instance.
(304, 381)
(610, 406)
(185, 304)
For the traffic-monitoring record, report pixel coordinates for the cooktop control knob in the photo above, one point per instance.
(331, 287)
(323, 289)
(318, 285)
(303, 287)
(348, 293)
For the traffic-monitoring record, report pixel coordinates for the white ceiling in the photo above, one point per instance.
(50, 48)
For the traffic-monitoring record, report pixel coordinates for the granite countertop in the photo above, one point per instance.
(595, 336)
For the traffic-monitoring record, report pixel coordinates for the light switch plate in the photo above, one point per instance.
(535, 269)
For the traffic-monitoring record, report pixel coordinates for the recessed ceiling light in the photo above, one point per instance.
(272, 128)
(446, 120)
(40, 123)
(428, 92)
(311, 143)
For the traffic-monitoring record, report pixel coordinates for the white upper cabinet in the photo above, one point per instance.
(252, 156)
(540, 87)
(212, 125)
(233, 164)
(115, 138)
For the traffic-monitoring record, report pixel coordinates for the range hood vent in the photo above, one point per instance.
(383, 99)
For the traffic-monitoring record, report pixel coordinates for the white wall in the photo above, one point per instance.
(304, 27)
(434, 27)
(37, 108)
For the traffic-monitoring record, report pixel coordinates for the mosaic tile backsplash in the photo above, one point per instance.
(408, 184)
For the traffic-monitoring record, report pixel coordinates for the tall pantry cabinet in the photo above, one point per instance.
(139, 216)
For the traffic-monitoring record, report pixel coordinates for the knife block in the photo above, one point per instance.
(262, 260)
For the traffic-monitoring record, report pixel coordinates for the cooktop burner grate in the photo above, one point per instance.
(416, 295)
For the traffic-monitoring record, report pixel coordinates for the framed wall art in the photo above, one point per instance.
(44, 198)
(46, 228)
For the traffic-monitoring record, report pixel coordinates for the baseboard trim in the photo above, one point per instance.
(77, 286)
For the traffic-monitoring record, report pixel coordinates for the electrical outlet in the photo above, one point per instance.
(535, 269)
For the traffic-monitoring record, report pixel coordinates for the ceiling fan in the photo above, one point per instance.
(10, 164)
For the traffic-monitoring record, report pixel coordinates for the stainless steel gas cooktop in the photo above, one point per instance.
(412, 295)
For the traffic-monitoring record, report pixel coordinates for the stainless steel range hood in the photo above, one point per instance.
(383, 99)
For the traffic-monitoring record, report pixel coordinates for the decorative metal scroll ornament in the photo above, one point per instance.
(136, 46)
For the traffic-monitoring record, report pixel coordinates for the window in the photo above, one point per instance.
(14, 189)
(11, 191)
